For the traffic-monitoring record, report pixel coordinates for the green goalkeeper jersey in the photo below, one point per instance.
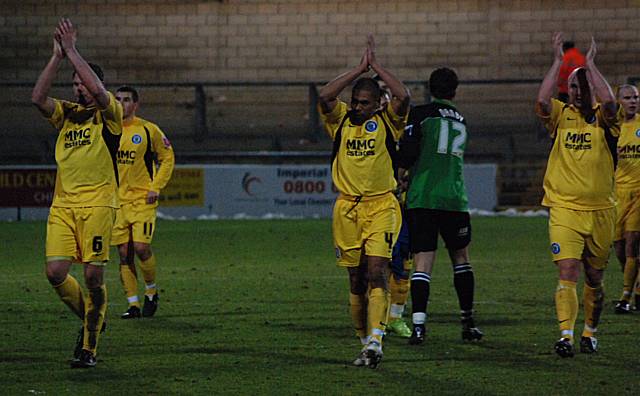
(433, 148)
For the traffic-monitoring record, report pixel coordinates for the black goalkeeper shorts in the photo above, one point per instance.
(426, 224)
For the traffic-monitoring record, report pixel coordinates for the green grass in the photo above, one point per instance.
(259, 307)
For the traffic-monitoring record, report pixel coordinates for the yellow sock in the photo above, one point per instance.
(129, 284)
(630, 273)
(593, 301)
(377, 313)
(71, 294)
(358, 305)
(94, 317)
(399, 292)
(148, 268)
(399, 289)
(566, 307)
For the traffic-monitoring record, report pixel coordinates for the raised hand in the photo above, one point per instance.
(558, 40)
(591, 54)
(67, 34)
(371, 50)
(364, 62)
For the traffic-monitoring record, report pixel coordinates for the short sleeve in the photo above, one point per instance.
(333, 119)
(112, 115)
(397, 122)
(551, 121)
(57, 118)
(613, 125)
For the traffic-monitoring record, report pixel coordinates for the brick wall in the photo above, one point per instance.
(305, 40)
(302, 40)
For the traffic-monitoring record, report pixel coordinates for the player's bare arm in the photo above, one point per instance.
(67, 34)
(40, 95)
(329, 93)
(602, 89)
(547, 88)
(401, 97)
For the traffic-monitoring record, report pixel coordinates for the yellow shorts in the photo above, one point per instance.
(372, 224)
(628, 212)
(80, 234)
(578, 233)
(134, 220)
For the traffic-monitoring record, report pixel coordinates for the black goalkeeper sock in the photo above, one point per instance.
(420, 282)
(464, 283)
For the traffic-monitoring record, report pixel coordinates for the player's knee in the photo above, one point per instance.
(378, 282)
(124, 260)
(378, 279)
(55, 278)
(92, 281)
(143, 250)
(358, 289)
(594, 277)
(56, 272)
(123, 252)
(459, 255)
(93, 276)
(568, 270)
(357, 285)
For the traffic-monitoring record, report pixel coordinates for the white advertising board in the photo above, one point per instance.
(267, 191)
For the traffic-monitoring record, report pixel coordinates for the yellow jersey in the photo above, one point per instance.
(87, 142)
(362, 163)
(628, 170)
(145, 160)
(580, 168)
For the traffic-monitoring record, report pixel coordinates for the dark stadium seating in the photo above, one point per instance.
(272, 123)
(501, 123)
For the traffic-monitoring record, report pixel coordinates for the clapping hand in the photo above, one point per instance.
(66, 34)
(558, 40)
(591, 54)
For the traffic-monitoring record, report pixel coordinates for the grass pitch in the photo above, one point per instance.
(259, 307)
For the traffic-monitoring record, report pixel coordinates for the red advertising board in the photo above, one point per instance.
(24, 187)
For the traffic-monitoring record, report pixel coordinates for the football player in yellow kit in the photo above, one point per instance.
(145, 164)
(85, 198)
(366, 216)
(627, 237)
(579, 191)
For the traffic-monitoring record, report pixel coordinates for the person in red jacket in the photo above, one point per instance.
(571, 60)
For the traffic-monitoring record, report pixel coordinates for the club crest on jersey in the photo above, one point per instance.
(638, 132)
(371, 126)
(136, 139)
(555, 248)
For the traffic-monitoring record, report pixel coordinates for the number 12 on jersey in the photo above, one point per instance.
(459, 133)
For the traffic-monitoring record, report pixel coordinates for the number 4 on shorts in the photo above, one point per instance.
(388, 238)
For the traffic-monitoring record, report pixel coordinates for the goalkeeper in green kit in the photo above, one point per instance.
(433, 148)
